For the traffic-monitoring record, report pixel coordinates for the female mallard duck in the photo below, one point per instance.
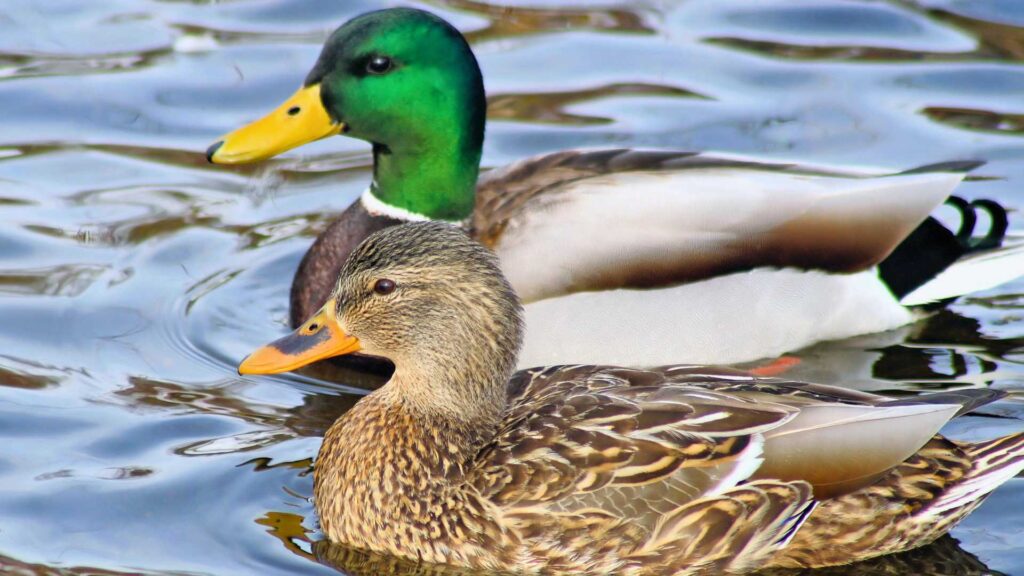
(613, 249)
(601, 470)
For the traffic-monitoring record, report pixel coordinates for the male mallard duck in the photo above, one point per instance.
(597, 469)
(612, 250)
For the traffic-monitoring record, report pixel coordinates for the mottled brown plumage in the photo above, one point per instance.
(599, 469)
(942, 558)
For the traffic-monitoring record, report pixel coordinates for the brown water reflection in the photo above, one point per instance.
(10, 565)
(978, 119)
(508, 21)
(995, 41)
(550, 107)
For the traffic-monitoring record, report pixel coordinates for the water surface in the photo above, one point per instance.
(134, 276)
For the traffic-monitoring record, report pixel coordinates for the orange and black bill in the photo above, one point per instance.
(301, 119)
(320, 337)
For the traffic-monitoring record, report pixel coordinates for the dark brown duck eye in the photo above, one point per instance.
(384, 286)
(378, 65)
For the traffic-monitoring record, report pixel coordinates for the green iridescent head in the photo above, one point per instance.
(407, 82)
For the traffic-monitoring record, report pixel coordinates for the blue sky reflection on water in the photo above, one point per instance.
(133, 275)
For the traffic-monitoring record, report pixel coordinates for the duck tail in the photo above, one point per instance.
(986, 466)
(913, 505)
(935, 264)
(992, 463)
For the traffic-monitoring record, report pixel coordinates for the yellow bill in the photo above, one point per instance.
(300, 120)
(320, 337)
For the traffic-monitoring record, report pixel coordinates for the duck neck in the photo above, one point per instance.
(390, 463)
(433, 178)
(415, 428)
(468, 399)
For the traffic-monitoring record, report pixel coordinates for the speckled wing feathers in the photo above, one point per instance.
(571, 433)
(734, 532)
(653, 472)
(646, 460)
(662, 463)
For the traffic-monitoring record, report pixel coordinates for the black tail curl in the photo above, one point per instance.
(931, 248)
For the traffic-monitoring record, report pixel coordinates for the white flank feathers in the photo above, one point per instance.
(732, 318)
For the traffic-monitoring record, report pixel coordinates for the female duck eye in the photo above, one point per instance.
(378, 65)
(384, 286)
